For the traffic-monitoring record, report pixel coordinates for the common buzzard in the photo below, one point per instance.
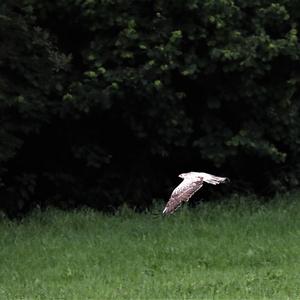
(191, 183)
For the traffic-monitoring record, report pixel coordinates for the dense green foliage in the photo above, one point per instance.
(234, 250)
(106, 100)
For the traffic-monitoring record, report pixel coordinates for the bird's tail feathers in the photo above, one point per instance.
(211, 179)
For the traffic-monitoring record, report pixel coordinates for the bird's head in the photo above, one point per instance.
(189, 175)
(183, 175)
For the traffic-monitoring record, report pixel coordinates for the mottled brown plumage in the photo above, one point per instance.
(192, 182)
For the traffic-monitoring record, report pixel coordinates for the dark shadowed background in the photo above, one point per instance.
(106, 102)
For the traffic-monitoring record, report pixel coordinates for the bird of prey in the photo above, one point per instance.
(191, 183)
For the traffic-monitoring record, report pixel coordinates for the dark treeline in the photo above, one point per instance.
(105, 101)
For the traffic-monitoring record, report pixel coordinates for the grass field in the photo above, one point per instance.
(235, 250)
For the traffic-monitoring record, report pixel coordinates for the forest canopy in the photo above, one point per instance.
(105, 102)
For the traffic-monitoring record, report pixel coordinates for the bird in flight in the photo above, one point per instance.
(191, 183)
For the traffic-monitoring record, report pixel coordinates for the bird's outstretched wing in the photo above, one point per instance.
(183, 192)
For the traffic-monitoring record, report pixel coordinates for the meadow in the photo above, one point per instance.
(234, 249)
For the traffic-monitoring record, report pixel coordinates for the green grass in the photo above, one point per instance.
(236, 250)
